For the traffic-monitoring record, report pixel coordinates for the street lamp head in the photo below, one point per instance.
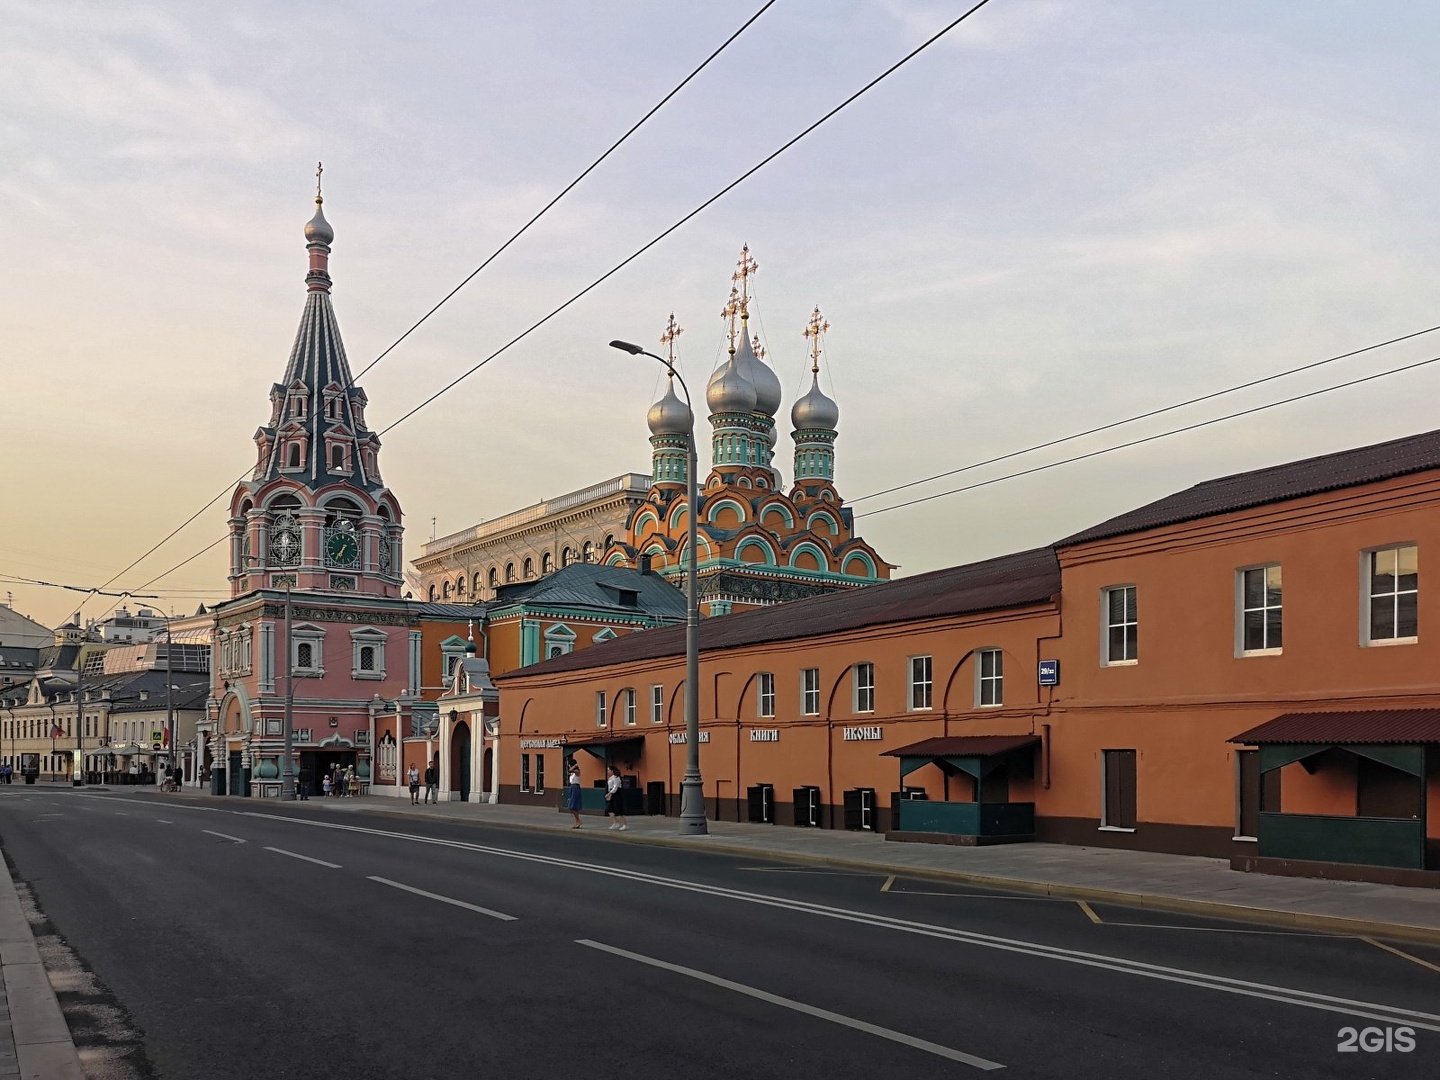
(625, 346)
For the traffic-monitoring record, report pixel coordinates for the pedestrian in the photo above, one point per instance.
(613, 806)
(414, 777)
(326, 784)
(352, 782)
(432, 781)
(304, 784)
(572, 793)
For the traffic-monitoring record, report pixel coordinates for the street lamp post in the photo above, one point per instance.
(287, 765)
(692, 788)
(77, 778)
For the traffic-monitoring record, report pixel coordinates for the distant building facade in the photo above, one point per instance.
(527, 544)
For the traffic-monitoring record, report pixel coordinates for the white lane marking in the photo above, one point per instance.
(1285, 995)
(801, 1007)
(444, 899)
(223, 836)
(163, 821)
(306, 858)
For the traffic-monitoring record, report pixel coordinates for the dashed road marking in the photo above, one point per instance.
(444, 899)
(306, 858)
(224, 836)
(800, 1007)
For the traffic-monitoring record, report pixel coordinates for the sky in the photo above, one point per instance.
(1064, 213)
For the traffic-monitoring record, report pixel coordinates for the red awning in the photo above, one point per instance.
(965, 746)
(1339, 728)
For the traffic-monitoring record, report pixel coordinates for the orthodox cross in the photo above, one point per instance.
(319, 168)
(813, 330)
(672, 331)
(744, 270)
(759, 349)
(728, 313)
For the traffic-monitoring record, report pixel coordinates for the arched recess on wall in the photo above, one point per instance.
(647, 521)
(950, 683)
(772, 511)
(726, 513)
(804, 553)
(823, 519)
(753, 549)
(745, 686)
(867, 564)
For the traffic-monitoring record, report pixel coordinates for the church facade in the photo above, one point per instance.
(316, 582)
(759, 542)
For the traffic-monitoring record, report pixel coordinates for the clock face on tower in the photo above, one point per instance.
(342, 548)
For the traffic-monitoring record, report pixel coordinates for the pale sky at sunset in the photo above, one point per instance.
(1068, 212)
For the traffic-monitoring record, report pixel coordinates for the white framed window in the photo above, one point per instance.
(1118, 611)
(657, 704)
(629, 706)
(1392, 595)
(1260, 627)
(765, 694)
(990, 678)
(922, 682)
(864, 687)
(307, 650)
(600, 708)
(810, 692)
(367, 646)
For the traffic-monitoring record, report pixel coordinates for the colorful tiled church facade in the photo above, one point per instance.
(759, 543)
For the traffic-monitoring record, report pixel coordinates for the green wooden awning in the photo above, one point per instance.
(976, 755)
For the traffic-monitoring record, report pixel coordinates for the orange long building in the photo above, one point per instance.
(1236, 670)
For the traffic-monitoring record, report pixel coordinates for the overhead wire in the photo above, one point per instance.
(471, 276)
(1144, 415)
(947, 28)
(1153, 438)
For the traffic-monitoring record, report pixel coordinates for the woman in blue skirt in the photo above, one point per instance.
(572, 794)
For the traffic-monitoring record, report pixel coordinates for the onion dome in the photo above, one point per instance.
(759, 375)
(815, 411)
(729, 391)
(669, 415)
(317, 229)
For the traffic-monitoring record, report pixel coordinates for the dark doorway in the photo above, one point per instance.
(488, 770)
(319, 764)
(460, 759)
(1119, 789)
(239, 777)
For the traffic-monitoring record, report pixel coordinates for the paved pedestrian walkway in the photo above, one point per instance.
(1179, 883)
(35, 1043)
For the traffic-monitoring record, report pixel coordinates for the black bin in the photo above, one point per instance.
(655, 798)
(760, 800)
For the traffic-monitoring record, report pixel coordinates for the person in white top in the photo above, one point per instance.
(612, 799)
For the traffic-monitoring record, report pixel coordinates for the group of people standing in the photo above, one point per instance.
(432, 783)
(340, 783)
(614, 806)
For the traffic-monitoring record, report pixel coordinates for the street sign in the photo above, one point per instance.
(155, 745)
(1049, 672)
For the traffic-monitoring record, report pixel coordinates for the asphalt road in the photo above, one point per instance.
(246, 940)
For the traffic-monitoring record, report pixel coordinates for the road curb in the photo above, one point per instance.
(44, 1048)
(1216, 909)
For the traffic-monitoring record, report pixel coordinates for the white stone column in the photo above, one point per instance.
(494, 766)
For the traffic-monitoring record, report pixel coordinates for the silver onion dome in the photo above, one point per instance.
(760, 375)
(729, 391)
(317, 229)
(815, 411)
(669, 415)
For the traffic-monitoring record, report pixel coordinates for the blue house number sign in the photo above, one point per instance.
(1049, 672)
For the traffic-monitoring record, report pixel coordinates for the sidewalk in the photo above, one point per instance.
(35, 1042)
(1179, 883)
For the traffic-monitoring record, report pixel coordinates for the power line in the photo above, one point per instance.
(703, 206)
(1159, 435)
(471, 276)
(570, 186)
(72, 588)
(661, 236)
(1144, 416)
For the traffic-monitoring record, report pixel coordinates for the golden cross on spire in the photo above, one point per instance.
(745, 269)
(813, 330)
(319, 168)
(728, 313)
(759, 349)
(672, 331)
